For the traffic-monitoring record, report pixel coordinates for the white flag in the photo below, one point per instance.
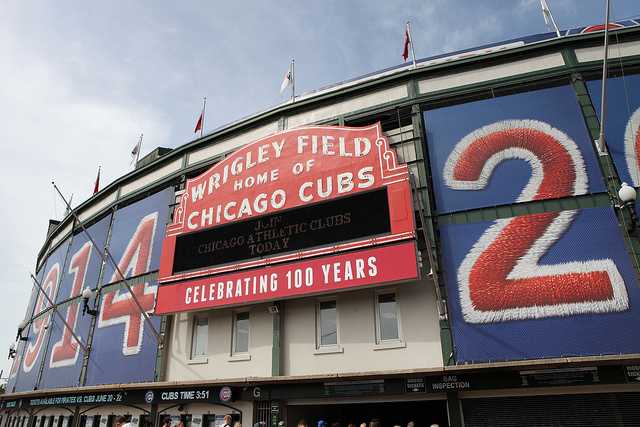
(136, 150)
(288, 78)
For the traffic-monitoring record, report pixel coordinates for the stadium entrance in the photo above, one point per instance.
(423, 413)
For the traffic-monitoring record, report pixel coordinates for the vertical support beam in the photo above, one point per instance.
(85, 360)
(611, 177)
(153, 415)
(282, 123)
(276, 343)
(76, 418)
(161, 352)
(430, 222)
(454, 410)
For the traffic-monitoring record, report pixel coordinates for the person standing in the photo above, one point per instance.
(227, 421)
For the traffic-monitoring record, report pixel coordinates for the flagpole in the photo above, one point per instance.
(293, 80)
(413, 53)
(204, 108)
(139, 149)
(546, 13)
(555, 26)
(603, 94)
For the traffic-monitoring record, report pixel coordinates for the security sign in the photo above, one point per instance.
(287, 215)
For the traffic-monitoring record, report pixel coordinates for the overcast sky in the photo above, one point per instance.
(81, 80)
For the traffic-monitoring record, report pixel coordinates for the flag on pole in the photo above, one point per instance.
(548, 17)
(200, 122)
(288, 78)
(405, 43)
(96, 186)
(135, 152)
(408, 44)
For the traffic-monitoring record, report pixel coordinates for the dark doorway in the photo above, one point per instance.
(422, 413)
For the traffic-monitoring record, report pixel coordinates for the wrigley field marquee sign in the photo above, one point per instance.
(305, 211)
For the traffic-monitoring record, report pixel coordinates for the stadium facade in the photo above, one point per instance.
(440, 243)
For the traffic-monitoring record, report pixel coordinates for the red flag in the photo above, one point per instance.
(407, 40)
(96, 187)
(199, 123)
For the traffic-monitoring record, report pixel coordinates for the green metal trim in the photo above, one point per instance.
(276, 347)
(516, 80)
(526, 208)
(446, 337)
(89, 341)
(160, 370)
(569, 56)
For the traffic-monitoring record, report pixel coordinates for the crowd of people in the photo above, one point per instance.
(373, 423)
(322, 423)
(301, 423)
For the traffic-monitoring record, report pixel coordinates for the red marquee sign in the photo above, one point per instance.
(295, 195)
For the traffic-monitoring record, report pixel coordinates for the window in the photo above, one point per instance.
(327, 324)
(241, 333)
(387, 321)
(200, 336)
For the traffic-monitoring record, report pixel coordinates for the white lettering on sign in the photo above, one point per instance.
(253, 285)
(238, 172)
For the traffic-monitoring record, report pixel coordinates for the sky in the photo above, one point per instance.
(81, 80)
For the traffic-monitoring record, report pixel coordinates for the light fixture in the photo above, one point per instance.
(274, 309)
(12, 351)
(21, 327)
(88, 294)
(627, 195)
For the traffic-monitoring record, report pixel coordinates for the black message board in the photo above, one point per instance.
(348, 218)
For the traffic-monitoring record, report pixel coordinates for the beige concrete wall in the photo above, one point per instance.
(219, 363)
(358, 350)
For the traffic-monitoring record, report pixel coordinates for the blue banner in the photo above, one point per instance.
(622, 130)
(564, 287)
(124, 349)
(516, 148)
(64, 356)
(35, 346)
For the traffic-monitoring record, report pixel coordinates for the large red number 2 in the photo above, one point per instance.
(500, 278)
(65, 351)
(118, 306)
(49, 285)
